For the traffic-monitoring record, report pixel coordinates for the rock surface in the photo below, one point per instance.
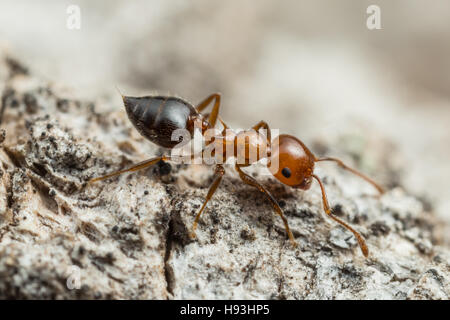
(127, 237)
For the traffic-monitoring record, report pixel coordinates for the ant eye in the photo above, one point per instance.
(286, 172)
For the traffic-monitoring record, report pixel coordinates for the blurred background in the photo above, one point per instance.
(310, 68)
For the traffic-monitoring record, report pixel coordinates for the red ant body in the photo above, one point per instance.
(157, 117)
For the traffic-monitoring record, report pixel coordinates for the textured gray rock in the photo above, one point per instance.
(128, 237)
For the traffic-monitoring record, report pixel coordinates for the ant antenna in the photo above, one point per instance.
(359, 174)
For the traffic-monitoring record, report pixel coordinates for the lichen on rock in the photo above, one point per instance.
(128, 237)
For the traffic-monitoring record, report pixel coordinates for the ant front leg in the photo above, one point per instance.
(218, 174)
(252, 182)
(215, 111)
(264, 125)
(327, 209)
(139, 166)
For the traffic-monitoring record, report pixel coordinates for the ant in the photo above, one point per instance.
(157, 117)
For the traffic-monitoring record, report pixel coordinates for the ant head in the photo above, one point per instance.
(291, 162)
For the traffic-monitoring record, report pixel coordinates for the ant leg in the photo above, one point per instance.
(139, 166)
(327, 209)
(215, 111)
(225, 126)
(264, 125)
(218, 174)
(2, 110)
(252, 182)
(359, 174)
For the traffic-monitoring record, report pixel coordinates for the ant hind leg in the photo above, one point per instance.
(215, 111)
(136, 167)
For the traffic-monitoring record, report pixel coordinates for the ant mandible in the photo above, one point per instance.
(157, 117)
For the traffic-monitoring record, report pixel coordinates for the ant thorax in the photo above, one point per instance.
(247, 146)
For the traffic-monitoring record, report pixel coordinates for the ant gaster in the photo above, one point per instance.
(156, 118)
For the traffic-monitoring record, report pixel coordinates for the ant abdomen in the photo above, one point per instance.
(157, 117)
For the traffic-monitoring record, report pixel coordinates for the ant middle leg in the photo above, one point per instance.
(356, 172)
(252, 182)
(215, 110)
(136, 167)
(218, 174)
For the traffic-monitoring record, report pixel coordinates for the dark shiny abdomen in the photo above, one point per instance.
(156, 117)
